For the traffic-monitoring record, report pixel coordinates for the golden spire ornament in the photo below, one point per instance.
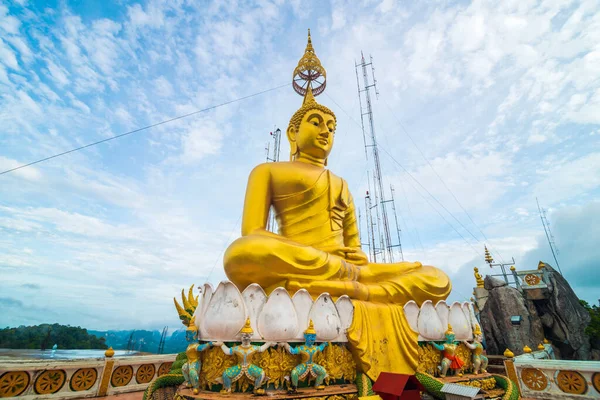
(488, 256)
(247, 327)
(311, 328)
(309, 78)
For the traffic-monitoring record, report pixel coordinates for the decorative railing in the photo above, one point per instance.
(558, 379)
(65, 379)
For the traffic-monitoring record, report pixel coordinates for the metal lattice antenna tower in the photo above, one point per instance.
(378, 193)
(398, 230)
(548, 232)
(276, 136)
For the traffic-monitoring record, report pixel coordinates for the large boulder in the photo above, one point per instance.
(564, 318)
(503, 302)
(557, 316)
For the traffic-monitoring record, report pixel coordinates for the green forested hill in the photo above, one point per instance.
(45, 336)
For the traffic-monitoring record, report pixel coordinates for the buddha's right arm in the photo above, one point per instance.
(257, 202)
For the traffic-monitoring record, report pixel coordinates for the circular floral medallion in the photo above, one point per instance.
(83, 379)
(571, 382)
(596, 381)
(164, 368)
(13, 383)
(145, 373)
(534, 379)
(50, 381)
(121, 376)
(532, 279)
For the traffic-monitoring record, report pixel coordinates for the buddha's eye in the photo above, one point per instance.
(315, 123)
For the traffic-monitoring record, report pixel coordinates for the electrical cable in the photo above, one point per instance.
(143, 128)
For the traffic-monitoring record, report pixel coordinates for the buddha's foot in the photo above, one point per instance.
(321, 387)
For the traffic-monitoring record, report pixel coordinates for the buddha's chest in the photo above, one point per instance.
(302, 180)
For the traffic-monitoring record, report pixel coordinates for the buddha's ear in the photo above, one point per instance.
(291, 134)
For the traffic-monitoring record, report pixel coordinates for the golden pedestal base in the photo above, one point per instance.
(333, 392)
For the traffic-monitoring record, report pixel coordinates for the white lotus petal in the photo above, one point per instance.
(429, 324)
(325, 316)
(278, 320)
(206, 292)
(346, 312)
(226, 313)
(443, 311)
(254, 299)
(411, 310)
(303, 304)
(465, 309)
(459, 322)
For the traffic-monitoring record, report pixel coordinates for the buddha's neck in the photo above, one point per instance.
(305, 158)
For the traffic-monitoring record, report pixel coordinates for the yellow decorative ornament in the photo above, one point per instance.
(541, 265)
(546, 341)
(109, 352)
(508, 353)
(477, 330)
(192, 325)
(311, 328)
(478, 277)
(317, 246)
(540, 347)
(189, 306)
(526, 349)
(449, 331)
(247, 327)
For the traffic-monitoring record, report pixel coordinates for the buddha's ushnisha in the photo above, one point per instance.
(318, 246)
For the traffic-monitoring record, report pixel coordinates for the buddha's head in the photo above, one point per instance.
(311, 130)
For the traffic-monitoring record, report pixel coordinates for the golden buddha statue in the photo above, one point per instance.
(317, 246)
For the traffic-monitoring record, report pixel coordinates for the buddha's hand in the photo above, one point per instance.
(354, 255)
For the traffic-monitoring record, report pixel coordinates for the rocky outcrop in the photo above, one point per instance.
(564, 319)
(503, 302)
(558, 316)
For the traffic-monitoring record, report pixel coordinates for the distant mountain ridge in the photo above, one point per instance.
(45, 336)
(142, 340)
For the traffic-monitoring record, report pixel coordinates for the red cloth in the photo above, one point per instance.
(457, 363)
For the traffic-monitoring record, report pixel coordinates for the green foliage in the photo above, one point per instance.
(364, 385)
(173, 378)
(45, 336)
(593, 329)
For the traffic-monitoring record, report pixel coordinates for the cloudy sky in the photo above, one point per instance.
(483, 107)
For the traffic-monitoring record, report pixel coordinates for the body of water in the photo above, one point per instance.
(61, 354)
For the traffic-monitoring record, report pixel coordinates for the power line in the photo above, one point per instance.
(439, 177)
(144, 128)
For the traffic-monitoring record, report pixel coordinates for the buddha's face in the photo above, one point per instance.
(315, 134)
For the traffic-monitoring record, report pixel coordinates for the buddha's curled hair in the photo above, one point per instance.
(306, 107)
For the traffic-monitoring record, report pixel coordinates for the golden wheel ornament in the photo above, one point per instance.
(145, 373)
(121, 376)
(83, 379)
(13, 383)
(50, 381)
(596, 381)
(532, 279)
(571, 382)
(534, 379)
(164, 368)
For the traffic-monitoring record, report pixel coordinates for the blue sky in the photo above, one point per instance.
(501, 98)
